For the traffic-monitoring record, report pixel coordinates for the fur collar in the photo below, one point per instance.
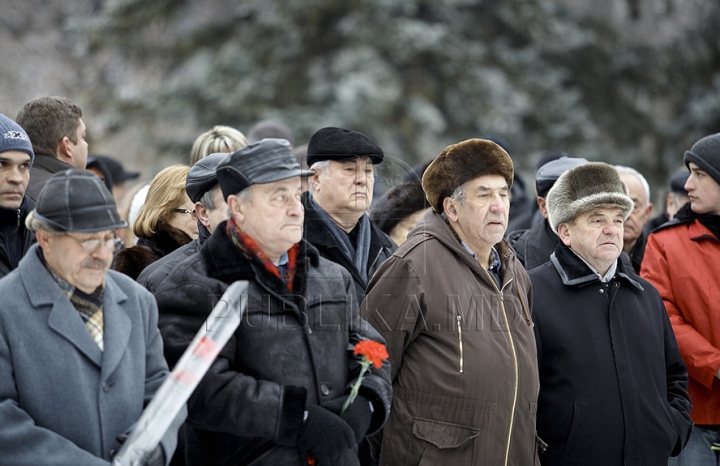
(573, 271)
(225, 262)
(165, 240)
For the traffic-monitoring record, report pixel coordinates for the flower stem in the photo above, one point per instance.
(365, 364)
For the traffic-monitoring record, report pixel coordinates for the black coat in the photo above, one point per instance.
(153, 275)
(248, 408)
(534, 246)
(317, 234)
(132, 261)
(44, 166)
(15, 239)
(613, 387)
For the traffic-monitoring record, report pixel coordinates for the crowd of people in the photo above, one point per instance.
(581, 332)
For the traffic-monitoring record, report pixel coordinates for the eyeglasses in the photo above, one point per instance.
(92, 245)
(186, 212)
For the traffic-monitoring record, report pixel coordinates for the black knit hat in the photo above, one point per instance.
(706, 154)
(338, 144)
(77, 200)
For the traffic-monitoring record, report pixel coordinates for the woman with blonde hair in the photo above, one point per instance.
(166, 221)
(219, 139)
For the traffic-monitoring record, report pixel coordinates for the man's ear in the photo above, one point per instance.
(314, 179)
(564, 234)
(63, 149)
(542, 205)
(237, 208)
(202, 214)
(42, 238)
(450, 209)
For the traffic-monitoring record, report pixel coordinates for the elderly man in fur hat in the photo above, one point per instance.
(613, 387)
(453, 304)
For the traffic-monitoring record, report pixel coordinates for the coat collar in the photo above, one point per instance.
(432, 224)
(317, 233)
(574, 272)
(49, 163)
(43, 293)
(225, 262)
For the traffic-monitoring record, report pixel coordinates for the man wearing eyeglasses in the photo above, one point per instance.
(80, 350)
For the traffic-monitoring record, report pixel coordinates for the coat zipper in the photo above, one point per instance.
(460, 344)
(515, 362)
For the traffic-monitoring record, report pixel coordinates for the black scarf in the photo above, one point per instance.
(710, 221)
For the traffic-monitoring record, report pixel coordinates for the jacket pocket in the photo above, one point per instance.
(443, 443)
(443, 434)
(575, 428)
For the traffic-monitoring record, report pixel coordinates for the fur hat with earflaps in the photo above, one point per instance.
(463, 162)
(583, 188)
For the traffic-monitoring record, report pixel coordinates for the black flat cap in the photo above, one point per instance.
(77, 200)
(677, 182)
(338, 144)
(548, 174)
(202, 176)
(264, 161)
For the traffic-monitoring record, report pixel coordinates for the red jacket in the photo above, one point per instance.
(683, 262)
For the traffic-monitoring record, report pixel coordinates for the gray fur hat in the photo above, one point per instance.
(583, 188)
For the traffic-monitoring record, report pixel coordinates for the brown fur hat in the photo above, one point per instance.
(463, 162)
(583, 188)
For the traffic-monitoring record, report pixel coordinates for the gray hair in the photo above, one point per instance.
(458, 195)
(35, 224)
(208, 198)
(244, 194)
(631, 171)
(321, 165)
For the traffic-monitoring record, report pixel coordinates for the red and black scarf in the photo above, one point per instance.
(251, 250)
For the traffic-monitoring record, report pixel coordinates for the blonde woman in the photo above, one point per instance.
(166, 221)
(219, 139)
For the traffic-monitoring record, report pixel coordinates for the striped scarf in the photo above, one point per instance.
(89, 306)
(251, 249)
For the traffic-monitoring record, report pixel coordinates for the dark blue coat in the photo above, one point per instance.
(613, 387)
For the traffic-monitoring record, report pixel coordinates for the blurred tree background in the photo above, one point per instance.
(634, 82)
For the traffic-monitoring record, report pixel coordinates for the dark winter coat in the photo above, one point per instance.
(248, 409)
(462, 354)
(613, 387)
(15, 239)
(153, 275)
(132, 261)
(637, 252)
(44, 166)
(534, 246)
(381, 247)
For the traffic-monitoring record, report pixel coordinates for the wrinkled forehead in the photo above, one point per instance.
(488, 183)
